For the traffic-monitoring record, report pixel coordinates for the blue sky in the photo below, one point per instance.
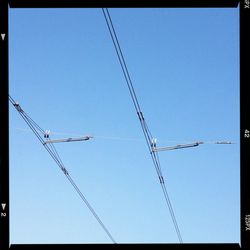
(65, 74)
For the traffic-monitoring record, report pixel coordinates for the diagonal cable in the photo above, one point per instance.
(144, 126)
(55, 156)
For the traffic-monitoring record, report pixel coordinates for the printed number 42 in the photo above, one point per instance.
(246, 135)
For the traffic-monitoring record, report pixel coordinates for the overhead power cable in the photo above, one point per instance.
(109, 137)
(50, 148)
(146, 132)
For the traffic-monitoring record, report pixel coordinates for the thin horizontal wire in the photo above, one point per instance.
(107, 137)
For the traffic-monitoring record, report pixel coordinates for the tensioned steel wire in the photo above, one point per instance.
(147, 134)
(37, 130)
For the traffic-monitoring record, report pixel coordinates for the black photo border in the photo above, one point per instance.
(244, 112)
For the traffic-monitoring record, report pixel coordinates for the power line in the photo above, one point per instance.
(36, 129)
(146, 132)
(121, 59)
(119, 138)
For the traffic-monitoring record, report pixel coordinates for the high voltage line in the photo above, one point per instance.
(55, 156)
(119, 138)
(147, 134)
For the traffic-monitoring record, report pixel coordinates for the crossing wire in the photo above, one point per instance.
(146, 132)
(55, 156)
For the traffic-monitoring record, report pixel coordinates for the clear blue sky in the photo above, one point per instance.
(65, 74)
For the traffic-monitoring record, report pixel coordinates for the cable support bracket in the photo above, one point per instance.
(161, 179)
(18, 107)
(65, 171)
(140, 115)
